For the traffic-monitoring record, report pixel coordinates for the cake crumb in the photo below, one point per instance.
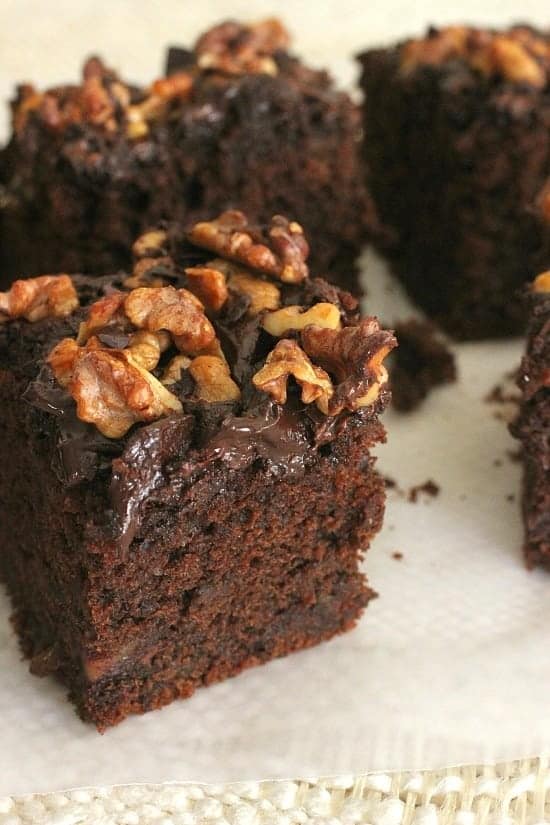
(397, 555)
(429, 487)
(421, 362)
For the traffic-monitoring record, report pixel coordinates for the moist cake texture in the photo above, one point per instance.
(186, 482)
(458, 162)
(237, 121)
(532, 426)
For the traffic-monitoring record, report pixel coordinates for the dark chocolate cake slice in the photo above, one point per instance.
(458, 159)
(532, 426)
(237, 122)
(186, 482)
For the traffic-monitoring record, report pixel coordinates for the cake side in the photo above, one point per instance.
(238, 122)
(456, 123)
(532, 426)
(203, 487)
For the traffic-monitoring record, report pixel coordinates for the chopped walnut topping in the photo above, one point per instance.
(113, 392)
(209, 285)
(105, 311)
(176, 310)
(290, 318)
(172, 373)
(354, 356)
(518, 55)
(151, 244)
(48, 296)
(213, 379)
(542, 282)
(176, 87)
(282, 253)
(233, 48)
(287, 359)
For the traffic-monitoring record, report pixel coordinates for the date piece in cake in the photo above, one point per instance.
(238, 122)
(186, 478)
(532, 425)
(456, 146)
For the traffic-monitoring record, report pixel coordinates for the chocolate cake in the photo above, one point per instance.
(186, 482)
(532, 426)
(237, 121)
(458, 159)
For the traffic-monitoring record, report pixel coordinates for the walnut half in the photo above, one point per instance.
(288, 359)
(354, 356)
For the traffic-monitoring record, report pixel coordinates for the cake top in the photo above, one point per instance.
(222, 315)
(518, 55)
(220, 56)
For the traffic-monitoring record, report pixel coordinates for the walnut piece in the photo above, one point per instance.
(113, 392)
(146, 272)
(290, 318)
(152, 244)
(177, 86)
(232, 48)
(513, 61)
(542, 282)
(282, 254)
(172, 373)
(263, 294)
(518, 55)
(63, 358)
(209, 285)
(287, 359)
(354, 356)
(147, 347)
(177, 311)
(105, 311)
(48, 296)
(213, 379)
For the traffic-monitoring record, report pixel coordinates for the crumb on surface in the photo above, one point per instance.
(421, 362)
(397, 555)
(429, 488)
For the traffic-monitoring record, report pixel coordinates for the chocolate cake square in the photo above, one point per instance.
(458, 158)
(186, 478)
(238, 121)
(532, 425)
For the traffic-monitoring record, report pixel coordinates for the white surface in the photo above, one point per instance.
(451, 663)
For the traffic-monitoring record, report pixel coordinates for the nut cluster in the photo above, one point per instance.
(280, 251)
(134, 346)
(115, 387)
(518, 55)
(104, 101)
(234, 49)
(48, 296)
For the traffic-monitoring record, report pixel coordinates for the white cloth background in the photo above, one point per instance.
(451, 664)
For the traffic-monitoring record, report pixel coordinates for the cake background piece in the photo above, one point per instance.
(89, 167)
(456, 148)
(200, 473)
(532, 425)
